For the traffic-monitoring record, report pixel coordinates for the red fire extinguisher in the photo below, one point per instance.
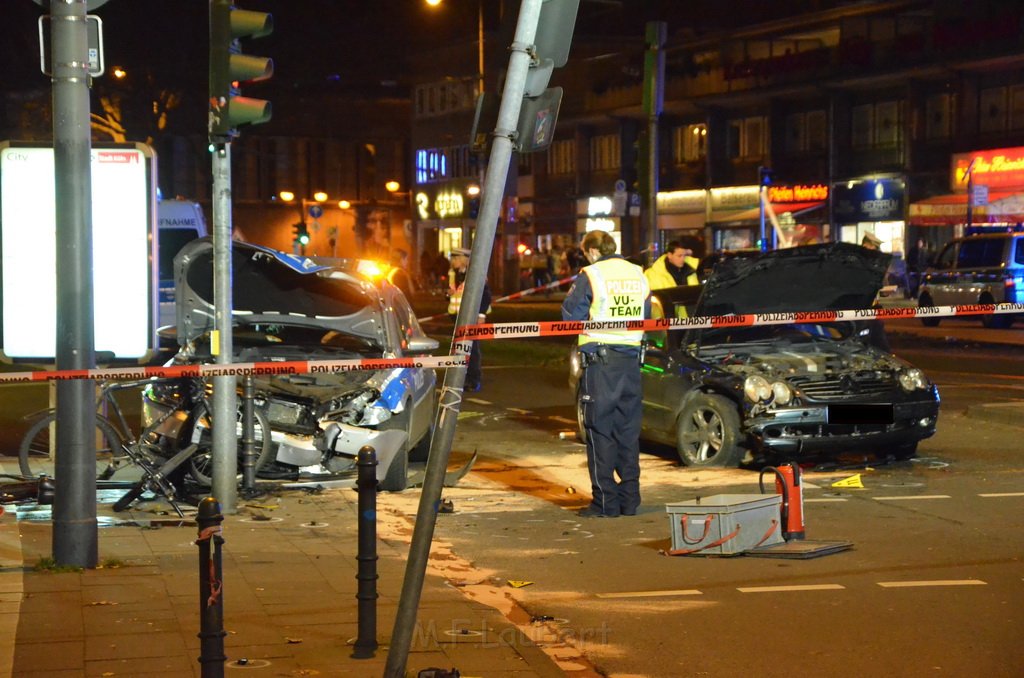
(789, 485)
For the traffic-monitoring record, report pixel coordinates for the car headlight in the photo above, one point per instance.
(757, 388)
(912, 379)
(375, 414)
(782, 393)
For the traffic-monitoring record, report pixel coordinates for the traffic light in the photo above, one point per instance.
(764, 176)
(228, 67)
(301, 234)
(474, 207)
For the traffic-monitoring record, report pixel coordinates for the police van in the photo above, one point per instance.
(984, 267)
(179, 222)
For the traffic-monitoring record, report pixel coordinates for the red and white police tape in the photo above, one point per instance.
(487, 331)
(555, 328)
(235, 369)
(516, 295)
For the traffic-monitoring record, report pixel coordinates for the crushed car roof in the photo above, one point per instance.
(828, 277)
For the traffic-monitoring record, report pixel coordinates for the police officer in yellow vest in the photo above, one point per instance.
(610, 288)
(677, 266)
(456, 285)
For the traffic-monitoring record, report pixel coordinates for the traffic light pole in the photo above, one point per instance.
(450, 401)
(75, 536)
(225, 446)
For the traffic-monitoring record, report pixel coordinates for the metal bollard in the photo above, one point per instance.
(248, 435)
(366, 574)
(211, 601)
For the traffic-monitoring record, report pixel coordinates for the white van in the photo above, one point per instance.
(178, 222)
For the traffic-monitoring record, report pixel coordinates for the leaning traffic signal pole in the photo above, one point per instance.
(450, 401)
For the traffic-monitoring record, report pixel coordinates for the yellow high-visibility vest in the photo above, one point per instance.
(619, 292)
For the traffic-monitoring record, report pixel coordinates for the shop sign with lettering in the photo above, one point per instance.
(996, 168)
(798, 193)
(868, 200)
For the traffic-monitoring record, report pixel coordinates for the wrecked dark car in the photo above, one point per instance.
(292, 308)
(729, 394)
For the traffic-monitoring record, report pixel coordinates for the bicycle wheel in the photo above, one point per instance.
(34, 450)
(199, 430)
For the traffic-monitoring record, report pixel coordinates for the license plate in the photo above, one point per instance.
(860, 414)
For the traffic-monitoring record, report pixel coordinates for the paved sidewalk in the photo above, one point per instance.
(289, 598)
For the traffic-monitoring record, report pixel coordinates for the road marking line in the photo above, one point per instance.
(478, 401)
(781, 589)
(563, 420)
(1002, 494)
(934, 582)
(518, 411)
(651, 594)
(911, 497)
(823, 499)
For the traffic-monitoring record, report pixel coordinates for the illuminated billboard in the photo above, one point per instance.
(123, 186)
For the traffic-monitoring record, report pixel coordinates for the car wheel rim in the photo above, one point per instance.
(704, 435)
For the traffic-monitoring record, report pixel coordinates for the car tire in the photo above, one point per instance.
(902, 452)
(707, 432)
(994, 321)
(923, 302)
(397, 477)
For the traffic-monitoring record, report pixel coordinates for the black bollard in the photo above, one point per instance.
(249, 436)
(366, 574)
(211, 599)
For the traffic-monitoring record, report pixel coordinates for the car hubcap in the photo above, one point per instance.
(703, 435)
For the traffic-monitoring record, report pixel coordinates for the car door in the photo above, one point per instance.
(942, 279)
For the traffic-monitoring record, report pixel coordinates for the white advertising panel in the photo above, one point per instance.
(123, 288)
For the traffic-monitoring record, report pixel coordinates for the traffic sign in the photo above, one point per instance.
(980, 197)
(95, 45)
(316, 211)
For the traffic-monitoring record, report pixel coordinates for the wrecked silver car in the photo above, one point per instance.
(727, 394)
(286, 308)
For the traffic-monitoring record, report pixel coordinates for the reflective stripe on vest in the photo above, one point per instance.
(455, 299)
(619, 291)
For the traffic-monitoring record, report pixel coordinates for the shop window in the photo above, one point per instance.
(992, 110)
(938, 116)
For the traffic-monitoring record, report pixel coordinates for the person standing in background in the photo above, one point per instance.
(456, 286)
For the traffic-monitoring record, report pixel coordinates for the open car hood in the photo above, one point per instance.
(828, 277)
(269, 286)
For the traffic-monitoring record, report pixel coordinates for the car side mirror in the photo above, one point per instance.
(421, 345)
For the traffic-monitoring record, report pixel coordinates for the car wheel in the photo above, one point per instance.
(902, 452)
(994, 321)
(707, 432)
(397, 477)
(923, 302)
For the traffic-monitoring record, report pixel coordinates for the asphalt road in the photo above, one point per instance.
(933, 584)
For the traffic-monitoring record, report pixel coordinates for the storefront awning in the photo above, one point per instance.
(753, 215)
(951, 209)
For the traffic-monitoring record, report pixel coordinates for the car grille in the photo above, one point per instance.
(843, 387)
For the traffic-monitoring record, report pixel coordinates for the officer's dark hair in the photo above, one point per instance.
(599, 240)
(672, 246)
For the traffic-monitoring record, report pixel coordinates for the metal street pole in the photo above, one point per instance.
(450, 400)
(225, 446)
(653, 103)
(75, 537)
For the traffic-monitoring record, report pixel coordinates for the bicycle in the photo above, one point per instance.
(115, 436)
